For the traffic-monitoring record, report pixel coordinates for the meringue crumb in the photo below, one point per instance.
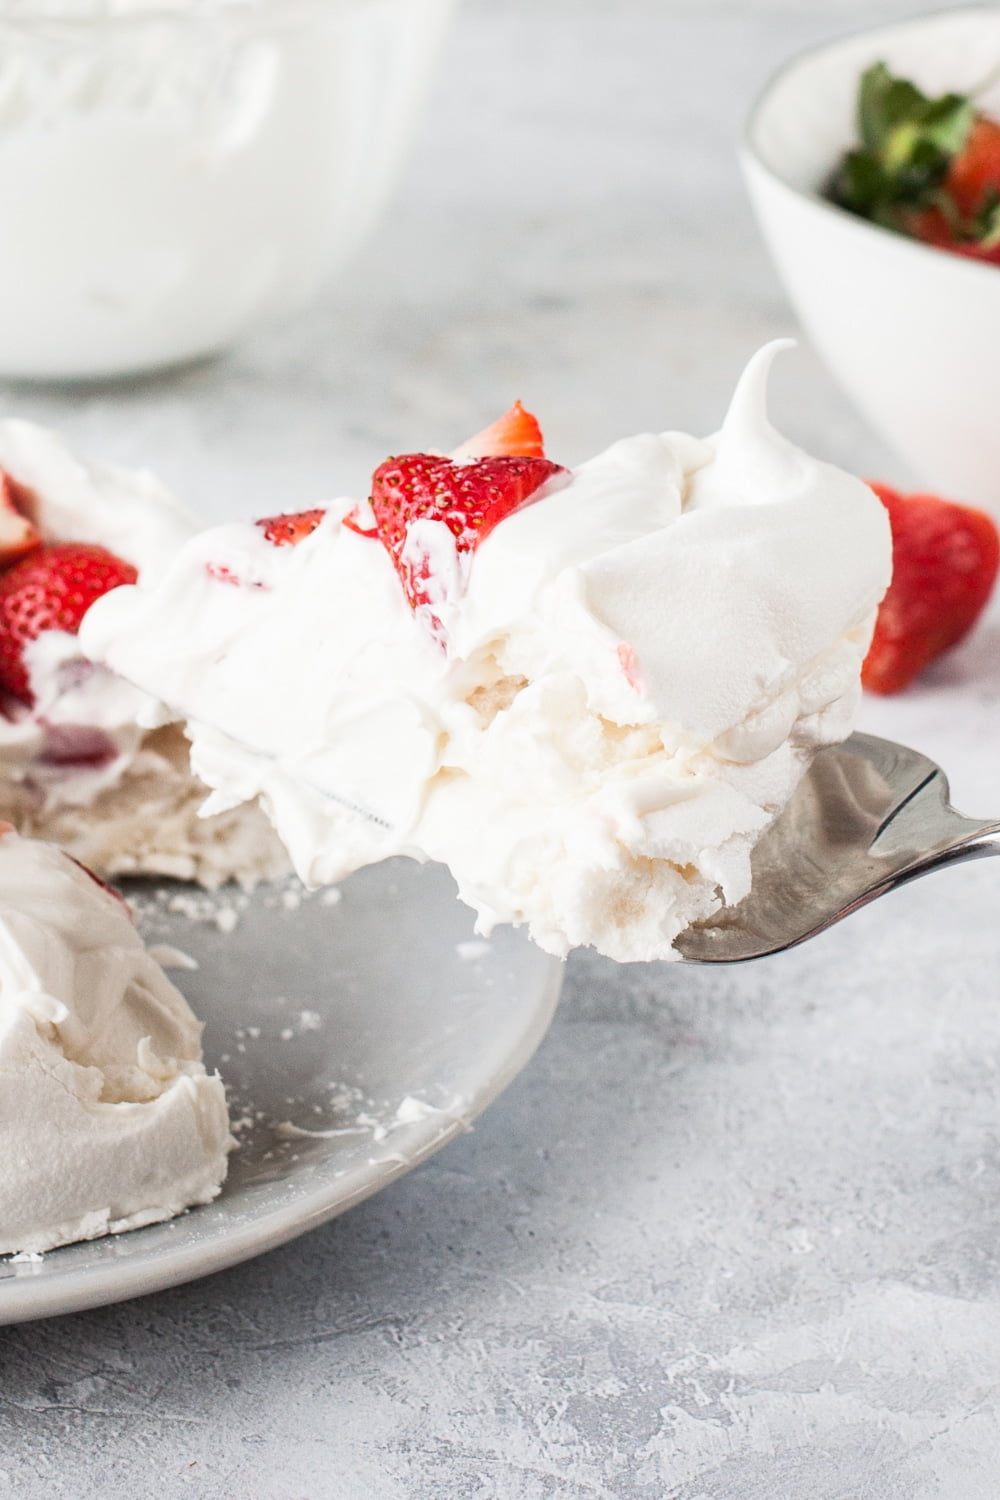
(171, 958)
(185, 906)
(474, 948)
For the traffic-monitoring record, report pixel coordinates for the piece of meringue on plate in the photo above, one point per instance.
(108, 1119)
(587, 691)
(79, 763)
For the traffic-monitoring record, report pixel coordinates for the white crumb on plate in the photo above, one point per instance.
(223, 914)
(410, 1110)
(287, 1131)
(185, 906)
(473, 948)
(310, 1020)
(332, 896)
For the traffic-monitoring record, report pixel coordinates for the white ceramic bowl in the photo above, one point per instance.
(175, 172)
(911, 332)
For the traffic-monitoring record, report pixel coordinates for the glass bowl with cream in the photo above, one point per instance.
(177, 172)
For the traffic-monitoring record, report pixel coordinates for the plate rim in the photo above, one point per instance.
(88, 1287)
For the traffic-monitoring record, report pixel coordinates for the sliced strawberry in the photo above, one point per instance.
(18, 534)
(945, 559)
(933, 227)
(514, 435)
(51, 589)
(289, 530)
(469, 499)
(359, 519)
(965, 216)
(78, 746)
(974, 174)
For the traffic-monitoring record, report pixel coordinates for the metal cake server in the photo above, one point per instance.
(868, 816)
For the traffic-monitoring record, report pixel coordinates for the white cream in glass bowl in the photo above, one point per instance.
(911, 332)
(175, 172)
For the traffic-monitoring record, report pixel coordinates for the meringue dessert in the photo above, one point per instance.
(587, 691)
(108, 1119)
(76, 764)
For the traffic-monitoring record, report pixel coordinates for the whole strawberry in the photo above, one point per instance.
(51, 589)
(944, 565)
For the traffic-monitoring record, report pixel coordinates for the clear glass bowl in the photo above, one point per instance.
(175, 174)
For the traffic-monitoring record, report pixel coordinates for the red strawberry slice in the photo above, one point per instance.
(289, 530)
(974, 174)
(945, 559)
(469, 499)
(357, 519)
(967, 218)
(51, 589)
(514, 435)
(18, 534)
(933, 227)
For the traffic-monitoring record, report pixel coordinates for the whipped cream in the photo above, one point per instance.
(80, 765)
(108, 1119)
(640, 664)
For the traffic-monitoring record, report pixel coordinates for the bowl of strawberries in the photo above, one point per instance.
(873, 163)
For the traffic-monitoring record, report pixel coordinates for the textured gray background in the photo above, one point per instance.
(734, 1234)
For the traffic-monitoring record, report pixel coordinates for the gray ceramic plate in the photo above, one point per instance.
(356, 1039)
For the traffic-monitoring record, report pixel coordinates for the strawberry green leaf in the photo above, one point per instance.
(908, 142)
(987, 221)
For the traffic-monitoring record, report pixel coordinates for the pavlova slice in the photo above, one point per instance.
(108, 1118)
(586, 690)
